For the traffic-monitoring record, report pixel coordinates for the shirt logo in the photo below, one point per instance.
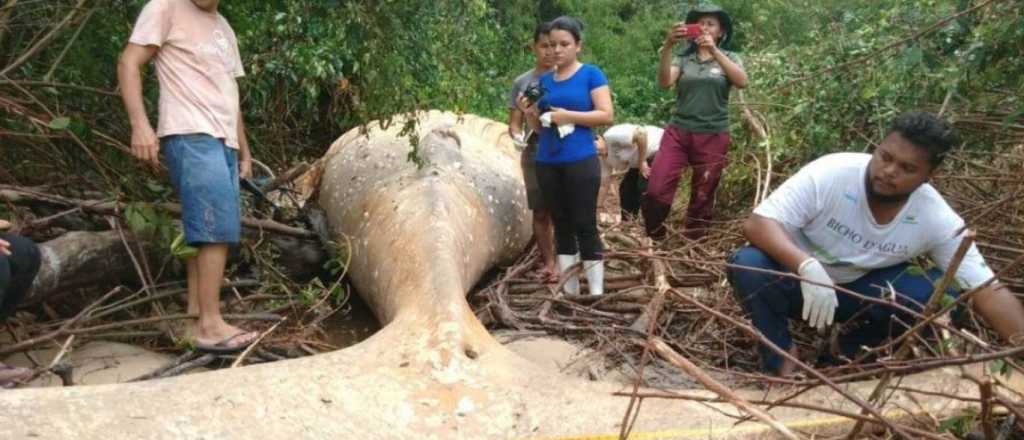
(850, 197)
(910, 220)
(219, 47)
(716, 71)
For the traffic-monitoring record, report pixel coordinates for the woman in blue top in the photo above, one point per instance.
(576, 99)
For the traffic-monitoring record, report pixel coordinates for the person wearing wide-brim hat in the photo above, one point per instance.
(698, 132)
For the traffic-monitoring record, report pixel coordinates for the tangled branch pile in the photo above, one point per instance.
(700, 319)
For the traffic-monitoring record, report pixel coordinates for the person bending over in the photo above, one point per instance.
(631, 147)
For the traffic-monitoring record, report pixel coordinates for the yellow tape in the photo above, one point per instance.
(712, 431)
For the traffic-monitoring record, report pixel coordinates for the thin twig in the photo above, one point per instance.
(249, 349)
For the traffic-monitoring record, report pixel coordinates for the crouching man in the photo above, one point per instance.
(856, 220)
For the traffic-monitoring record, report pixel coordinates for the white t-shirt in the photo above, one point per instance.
(619, 139)
(824, 208)
(196, 64)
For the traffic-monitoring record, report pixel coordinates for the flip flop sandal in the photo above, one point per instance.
(224, 345)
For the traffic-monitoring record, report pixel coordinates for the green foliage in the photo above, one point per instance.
(181, 250)
(826, 75)
(315, 291)
(337, 265)
(1000, 367)
(961, 424)
(148, 222)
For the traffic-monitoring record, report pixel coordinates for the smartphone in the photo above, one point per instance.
(692, 31)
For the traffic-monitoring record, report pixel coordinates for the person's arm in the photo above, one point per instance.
(1002, 310)
(795, 204)
(602, 114)
(768, 235)
(515, 122)
(640, 141)
(733, 71)
(530, 113)
(515, 114)
(668, 74)
(145, 145)
(244, 154)
(995, 303)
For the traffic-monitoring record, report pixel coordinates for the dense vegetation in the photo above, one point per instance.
(826, 75)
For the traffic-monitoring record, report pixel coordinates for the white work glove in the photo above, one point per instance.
(819, 301)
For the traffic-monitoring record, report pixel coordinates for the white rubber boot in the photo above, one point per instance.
(595, 276)
(572, 285)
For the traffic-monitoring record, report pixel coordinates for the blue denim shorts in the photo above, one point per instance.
(204, 173)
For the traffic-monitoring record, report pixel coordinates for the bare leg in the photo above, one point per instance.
(192, 269)
(544, 231)
(212, 328)
(192, 274)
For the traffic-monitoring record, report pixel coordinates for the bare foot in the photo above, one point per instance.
(546, 274)
(11, 375)
(788, 367)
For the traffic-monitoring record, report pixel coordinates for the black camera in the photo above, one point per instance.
(534, 92)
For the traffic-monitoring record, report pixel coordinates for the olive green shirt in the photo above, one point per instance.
(702, 94)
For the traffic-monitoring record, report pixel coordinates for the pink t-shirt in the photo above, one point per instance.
(196, 64)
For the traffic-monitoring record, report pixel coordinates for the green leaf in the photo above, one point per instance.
(947, 300)
(181, 250)
(1012, 117)
(59, 123)
(153, 186)
(912, 56)
(915, 270)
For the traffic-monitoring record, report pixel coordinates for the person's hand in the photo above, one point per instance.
(819, 300)
(601, 146)
(5, 247)
(645, 170)
(560, 116)
(4, 225)
(528, 108)
(145, 145)
(706, 41)
(675, 33)
(244, 167)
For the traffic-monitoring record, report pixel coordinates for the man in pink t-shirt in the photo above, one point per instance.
(200, 136)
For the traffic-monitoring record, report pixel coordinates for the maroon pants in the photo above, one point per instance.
(705, 153)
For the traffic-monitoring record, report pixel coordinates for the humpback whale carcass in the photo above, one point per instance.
(421, 237)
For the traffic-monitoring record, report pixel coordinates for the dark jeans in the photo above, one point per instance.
(571, 192)
(771, 300)
(16, 272)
